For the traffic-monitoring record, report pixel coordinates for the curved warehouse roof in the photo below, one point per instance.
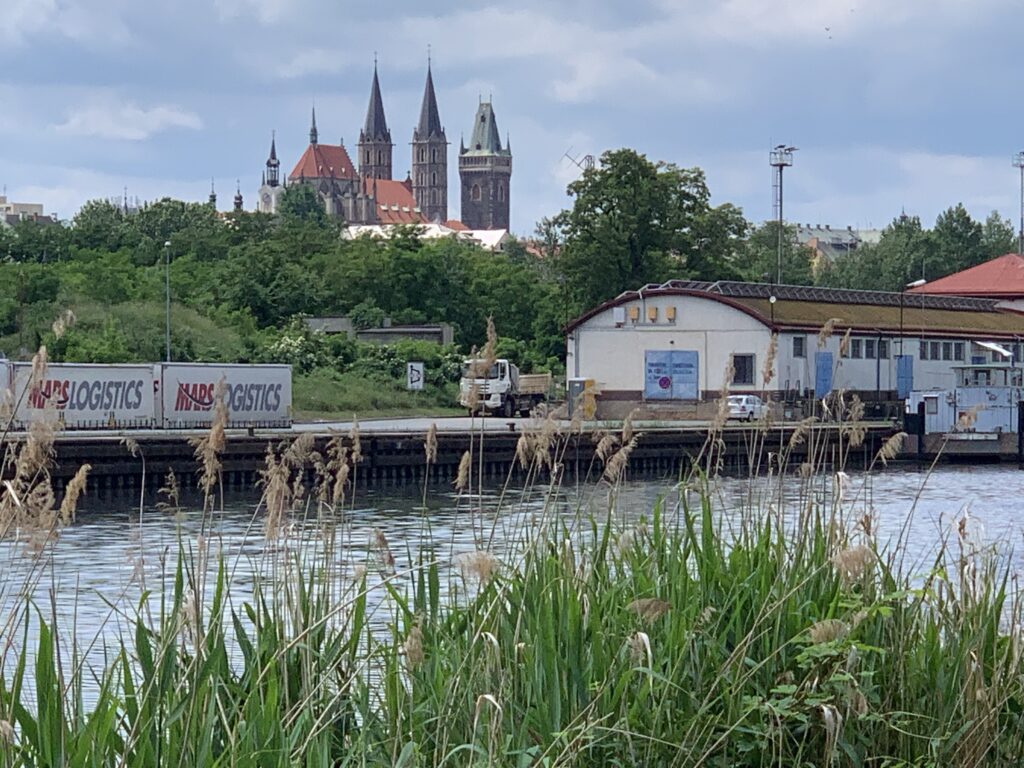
(808, 308)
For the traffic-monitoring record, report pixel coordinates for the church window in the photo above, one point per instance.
(475, 192)
(367, 157)
(501, 193)
(433, 178)
(422, 154)
(380, 157)
(433, 196)
(433, 155)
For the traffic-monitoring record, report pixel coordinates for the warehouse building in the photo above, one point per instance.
(673, 342)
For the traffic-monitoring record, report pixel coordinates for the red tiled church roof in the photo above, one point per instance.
(457, 225)
(324, 161)
(395, 203)
(1002, 277)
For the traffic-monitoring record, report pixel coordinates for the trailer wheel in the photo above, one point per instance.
(509, 408)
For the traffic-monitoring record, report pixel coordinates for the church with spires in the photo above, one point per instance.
(371, 196)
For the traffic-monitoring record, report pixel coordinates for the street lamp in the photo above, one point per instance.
(907, 287)
(167, 306)
(779, 158)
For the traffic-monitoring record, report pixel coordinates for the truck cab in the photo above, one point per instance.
(490, 388)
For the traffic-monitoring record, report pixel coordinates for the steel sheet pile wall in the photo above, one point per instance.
(255, 395)
(85, 396)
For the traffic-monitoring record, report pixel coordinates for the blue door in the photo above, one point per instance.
(671, 375)
(657, 375)
(904, 376)
(685, 375)
(822, 374)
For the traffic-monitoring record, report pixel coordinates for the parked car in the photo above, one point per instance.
(745, 407)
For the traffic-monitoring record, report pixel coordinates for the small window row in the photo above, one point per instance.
(866, 349)
(941, 350)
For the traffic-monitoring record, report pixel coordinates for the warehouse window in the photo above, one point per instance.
(743, 369)
(958, 351)
(883, 349)
(799, 346)
(947, 350)
(934, 350)
(856, 349)
(923, 354)
(869, 349)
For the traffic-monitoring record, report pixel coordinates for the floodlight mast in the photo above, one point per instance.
(779, 158)
(1018, 162)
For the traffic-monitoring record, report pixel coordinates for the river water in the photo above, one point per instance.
(97, 568)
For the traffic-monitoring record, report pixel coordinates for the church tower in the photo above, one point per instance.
(430, 159)
(375, 138)
(271, 189)
(485, 170)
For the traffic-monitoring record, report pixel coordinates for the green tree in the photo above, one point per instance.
(300, 202)
(633, 222)
(958, 242)
(904, 252)
(997, 236)
(101, 225)
(762, 256)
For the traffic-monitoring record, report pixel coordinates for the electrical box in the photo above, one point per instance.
(652, 314)
(634, 313)
(670, 314)
(619, 316)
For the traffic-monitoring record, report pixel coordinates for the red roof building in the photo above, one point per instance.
(323, 161)
(1000, 278)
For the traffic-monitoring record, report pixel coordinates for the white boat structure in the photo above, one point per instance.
(979, 415)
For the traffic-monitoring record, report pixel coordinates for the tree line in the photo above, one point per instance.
(239, 281)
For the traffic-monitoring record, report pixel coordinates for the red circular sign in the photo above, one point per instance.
(665, 382)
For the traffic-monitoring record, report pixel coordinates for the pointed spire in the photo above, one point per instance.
(430, 118)
(376, 124)
(312, 128)
(213, 195)
(238, 196)
(272, 174)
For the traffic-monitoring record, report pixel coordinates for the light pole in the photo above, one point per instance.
(1018, 162)
(167, 305)
(780, 158)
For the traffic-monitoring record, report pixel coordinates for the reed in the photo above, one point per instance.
(785, 638)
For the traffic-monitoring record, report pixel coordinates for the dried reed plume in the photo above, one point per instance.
(39, 363)
(542, 440)
(853, 563)
(639, 644)
(489, 353)
(6, 732)
(801, 431)
(75, 488)
(627, 427)
(208, 449)
(844, 344)
(64, 321)
(462, 478)
(524, 453)
(616, 465)
(171, 490)
(891, 448)
(605, 447)
(722, 414)
(277, 490)
(853, 424)
(826, 331)
(383, 548)
(650, 609)
(413, 647)
(827, 630)
(479, 564)
(768, 371)
(430, 444)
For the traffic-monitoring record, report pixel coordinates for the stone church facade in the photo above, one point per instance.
(370, 195)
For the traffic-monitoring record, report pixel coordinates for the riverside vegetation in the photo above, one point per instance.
(788, 636)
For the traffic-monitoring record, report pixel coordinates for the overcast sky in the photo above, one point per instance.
(893, 104)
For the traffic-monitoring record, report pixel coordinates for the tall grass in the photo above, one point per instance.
(781, 634)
